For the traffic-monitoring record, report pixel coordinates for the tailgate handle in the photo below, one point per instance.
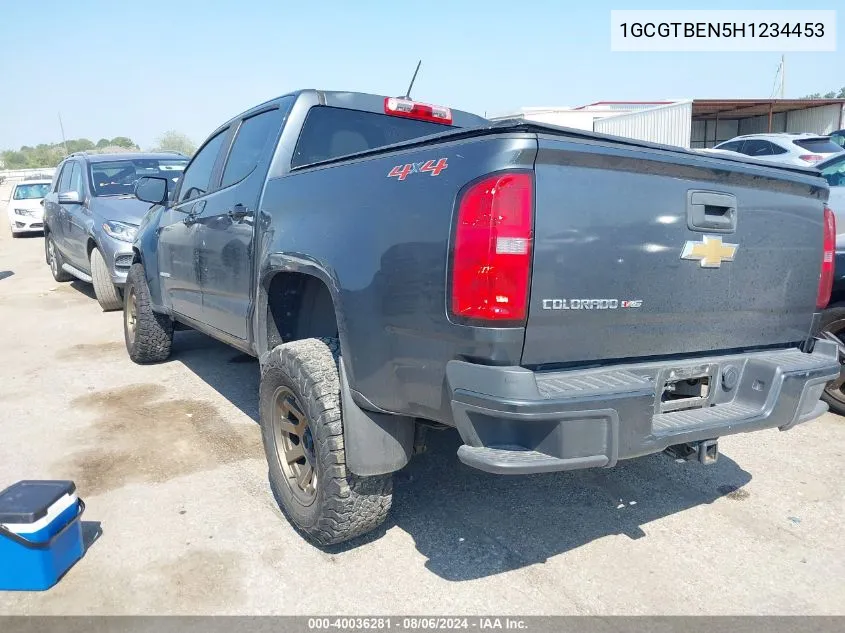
(711, 211)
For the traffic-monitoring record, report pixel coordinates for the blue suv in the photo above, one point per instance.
(91, 215)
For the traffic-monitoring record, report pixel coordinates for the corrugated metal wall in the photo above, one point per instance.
(669, 124)
(821, 120)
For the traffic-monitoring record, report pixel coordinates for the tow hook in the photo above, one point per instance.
(705, 451)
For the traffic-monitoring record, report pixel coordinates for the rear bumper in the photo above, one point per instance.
(516, 421)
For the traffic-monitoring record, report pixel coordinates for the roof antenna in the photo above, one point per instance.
(413, 79)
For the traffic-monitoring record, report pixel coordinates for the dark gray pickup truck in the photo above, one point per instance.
(564, 299)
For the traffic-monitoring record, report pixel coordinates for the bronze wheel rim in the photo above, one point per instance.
(294, 445)
(131, 315)
(836, 332)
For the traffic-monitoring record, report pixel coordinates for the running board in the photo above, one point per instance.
(77, 273)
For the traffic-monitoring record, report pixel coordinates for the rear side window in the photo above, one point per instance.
(255, 136)
(732, 146)
(334, 132)
(756, 147)
(818, 145)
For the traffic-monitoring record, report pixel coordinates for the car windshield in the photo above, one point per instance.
(32, 192)
(818, 145)
(118, 177)
(834, 172)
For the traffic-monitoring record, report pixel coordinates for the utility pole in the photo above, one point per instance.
(782, 75)
(62, 128)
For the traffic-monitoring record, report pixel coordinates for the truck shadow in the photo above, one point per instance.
(232, 374)
(471, 525)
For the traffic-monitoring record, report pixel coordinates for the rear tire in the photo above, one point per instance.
(55, 260)
(148, 335)
(832, 328)
(108, 295)
(302, 429)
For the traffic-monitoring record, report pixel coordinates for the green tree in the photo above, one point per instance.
(177, 142)
(79, 145)
(51, 154)
(833, 94)
(123, 141)
(14, 160)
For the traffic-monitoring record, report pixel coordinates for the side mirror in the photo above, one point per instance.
(69, 197)
(151, 189)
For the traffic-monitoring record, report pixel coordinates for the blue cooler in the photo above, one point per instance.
(40, 533)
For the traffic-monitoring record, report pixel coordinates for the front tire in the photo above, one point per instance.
(302, 430)
(108, 295)
(148, 335)
(55, 260)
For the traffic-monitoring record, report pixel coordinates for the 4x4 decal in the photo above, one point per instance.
(403, 171)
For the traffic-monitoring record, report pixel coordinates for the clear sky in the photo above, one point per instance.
(138, 69)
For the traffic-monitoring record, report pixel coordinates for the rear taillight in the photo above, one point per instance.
(826, 276)
(415, 110)
(491, 262)
(811, 158)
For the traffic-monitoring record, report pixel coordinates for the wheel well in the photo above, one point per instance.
(90, 246)
(299, 306)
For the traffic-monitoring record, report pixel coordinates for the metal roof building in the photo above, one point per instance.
(696, 122)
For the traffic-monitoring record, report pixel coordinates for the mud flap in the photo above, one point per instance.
(376, 443)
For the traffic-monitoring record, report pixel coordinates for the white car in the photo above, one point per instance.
(792, 149)
(26, 214)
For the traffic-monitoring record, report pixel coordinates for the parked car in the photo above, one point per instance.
(91, 216)
(838, 137)
(789, 149)
(25, 211)
(832, 323)
(564, 299)
(833, 171)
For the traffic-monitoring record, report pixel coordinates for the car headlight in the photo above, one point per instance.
(120, 230)
(27, 212)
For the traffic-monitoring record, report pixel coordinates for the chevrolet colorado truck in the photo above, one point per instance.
(564, 299)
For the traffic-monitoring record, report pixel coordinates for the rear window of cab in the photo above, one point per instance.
(330, 132)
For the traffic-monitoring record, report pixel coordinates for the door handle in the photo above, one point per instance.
(238, 212)
(711, 211)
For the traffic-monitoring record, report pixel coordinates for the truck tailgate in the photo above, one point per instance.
(637, 253)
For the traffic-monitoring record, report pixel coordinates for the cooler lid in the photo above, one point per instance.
(28, 501)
